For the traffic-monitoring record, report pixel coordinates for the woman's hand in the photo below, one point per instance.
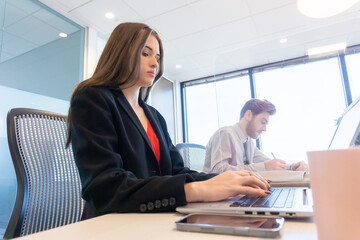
(228, 184)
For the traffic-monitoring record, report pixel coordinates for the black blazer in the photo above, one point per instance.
(118, 168)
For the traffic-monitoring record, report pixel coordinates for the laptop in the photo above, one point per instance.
(286, 202)
(347, 133)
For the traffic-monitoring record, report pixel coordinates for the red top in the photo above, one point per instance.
(154, 141)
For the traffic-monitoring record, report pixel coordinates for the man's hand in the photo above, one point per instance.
(275, 164)
(299, 166)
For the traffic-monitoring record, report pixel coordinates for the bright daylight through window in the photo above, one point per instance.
(308, 96)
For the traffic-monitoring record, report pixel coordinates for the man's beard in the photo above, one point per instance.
(251, 130)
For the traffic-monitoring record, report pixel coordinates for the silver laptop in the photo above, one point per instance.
(286, 202)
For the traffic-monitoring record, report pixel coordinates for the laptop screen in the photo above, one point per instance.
(347, 131)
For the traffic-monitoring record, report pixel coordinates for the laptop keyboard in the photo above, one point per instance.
(279, 198)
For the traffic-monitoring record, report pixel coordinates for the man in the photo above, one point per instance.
(231, 148)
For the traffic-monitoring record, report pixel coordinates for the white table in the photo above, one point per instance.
(158, 226)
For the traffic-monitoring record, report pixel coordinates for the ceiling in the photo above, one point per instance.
(209, 37)
(25, 26)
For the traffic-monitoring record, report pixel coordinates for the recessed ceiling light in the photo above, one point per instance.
(337, 47)
(109, 15)
(283, 40)
(64, 35)
(178, 66)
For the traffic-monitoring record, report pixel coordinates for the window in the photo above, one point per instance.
(214, 105)
(309, 100)
(308, 95)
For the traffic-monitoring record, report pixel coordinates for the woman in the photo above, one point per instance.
(124, 154)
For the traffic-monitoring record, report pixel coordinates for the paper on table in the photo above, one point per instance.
(283, 175)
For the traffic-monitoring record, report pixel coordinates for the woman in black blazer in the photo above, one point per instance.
(121, 146)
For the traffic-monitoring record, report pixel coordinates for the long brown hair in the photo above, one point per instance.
(119, 63)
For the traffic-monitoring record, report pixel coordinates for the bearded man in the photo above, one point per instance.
(232, 147)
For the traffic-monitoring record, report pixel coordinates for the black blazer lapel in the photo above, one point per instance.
(158, 129)
(132, 115)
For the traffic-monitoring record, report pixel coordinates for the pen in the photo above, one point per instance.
(273, 155)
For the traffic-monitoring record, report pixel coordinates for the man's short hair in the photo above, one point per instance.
(257, 106)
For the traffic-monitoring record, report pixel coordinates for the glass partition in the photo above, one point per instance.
(41, 61)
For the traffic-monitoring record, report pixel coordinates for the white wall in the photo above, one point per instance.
(162, 98)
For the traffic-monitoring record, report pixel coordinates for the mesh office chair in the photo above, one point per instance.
(48, 182)
(193, 155)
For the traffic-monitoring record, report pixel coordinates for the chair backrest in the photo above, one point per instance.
(48, 182)
(193, 155)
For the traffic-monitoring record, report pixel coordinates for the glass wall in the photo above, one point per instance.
(38, 69)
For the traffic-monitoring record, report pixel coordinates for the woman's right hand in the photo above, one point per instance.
(225, 185)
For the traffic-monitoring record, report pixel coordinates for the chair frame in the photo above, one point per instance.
(180, 146)
(17, 217)
(190, 145)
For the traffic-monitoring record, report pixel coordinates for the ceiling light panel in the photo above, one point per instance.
(327, 49)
